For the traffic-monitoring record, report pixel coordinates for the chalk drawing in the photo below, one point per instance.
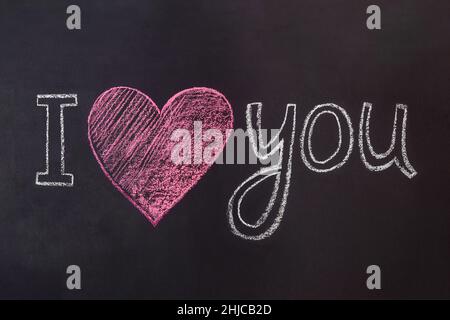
(271, 218)
(131, 140)
(61, 178)
(332, 162)
(396, 152)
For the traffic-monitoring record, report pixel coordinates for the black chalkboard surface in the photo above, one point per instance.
(335, 224)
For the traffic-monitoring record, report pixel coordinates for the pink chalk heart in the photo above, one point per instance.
(138, 146)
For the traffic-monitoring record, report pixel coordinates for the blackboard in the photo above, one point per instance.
(308, 53)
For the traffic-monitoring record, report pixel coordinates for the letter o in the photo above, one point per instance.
(341, 154)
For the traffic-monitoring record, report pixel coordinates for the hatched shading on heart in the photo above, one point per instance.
(131, 140)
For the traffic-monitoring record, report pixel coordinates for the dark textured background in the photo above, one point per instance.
(305, 52)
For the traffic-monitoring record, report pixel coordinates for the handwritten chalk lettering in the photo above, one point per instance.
(73, 21)
(271, 218)
(54, 176)
(374, 280)
(341, 154)
(74, 280)
(397, 150)
(374, 20)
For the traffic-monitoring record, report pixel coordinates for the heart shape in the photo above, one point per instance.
(132, 141)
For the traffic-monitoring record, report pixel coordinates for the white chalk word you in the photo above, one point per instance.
(55, 172)
(374, 20)
(271, 217)
(73, 281)
(374, 280)
(73, 21)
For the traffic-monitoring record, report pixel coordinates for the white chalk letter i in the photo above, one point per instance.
(54, 174)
